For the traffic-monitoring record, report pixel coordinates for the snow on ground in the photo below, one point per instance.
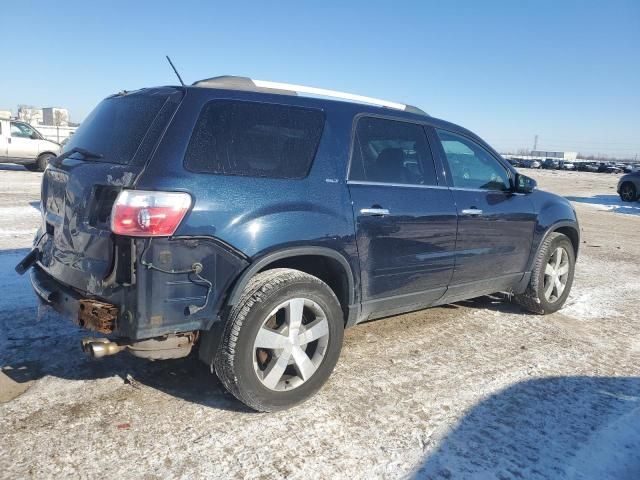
(15, 289)
(473, 390)
(590, 301)
(610, 203)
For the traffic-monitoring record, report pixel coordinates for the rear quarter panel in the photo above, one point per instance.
(257, 216)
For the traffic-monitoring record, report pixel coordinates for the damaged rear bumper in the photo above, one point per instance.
(64, 300)
(157, 297)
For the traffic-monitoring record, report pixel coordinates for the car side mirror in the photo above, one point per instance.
(34, 136)
(524, 184)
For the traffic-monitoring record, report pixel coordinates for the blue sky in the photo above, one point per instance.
(568, 71)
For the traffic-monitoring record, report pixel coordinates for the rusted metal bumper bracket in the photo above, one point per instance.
(97, 316)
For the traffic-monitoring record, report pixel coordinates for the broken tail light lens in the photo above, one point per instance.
(141, 213)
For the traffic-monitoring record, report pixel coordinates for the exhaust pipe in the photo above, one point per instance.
(100, 347)
(161, 348)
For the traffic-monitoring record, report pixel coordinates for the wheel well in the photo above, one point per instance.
(327, 269)
(572, 234)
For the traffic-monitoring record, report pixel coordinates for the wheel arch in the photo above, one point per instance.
(47, 152)
(568, 228)
(328, 265)
(572, 233)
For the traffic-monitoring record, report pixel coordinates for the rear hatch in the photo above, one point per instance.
(105, 155)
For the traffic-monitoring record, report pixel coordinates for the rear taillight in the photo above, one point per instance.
(140, 213)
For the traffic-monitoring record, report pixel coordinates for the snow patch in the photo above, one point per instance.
(17, 233)
(608, 203)
(16, 290)
(604, 295)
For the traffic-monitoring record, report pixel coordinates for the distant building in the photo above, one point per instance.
(31, 115)
(555, 155)
(5, 114)
(55, 116)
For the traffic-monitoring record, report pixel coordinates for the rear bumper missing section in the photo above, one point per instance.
(102, 317)
(85, 312)
(64, 300)
(157, 296)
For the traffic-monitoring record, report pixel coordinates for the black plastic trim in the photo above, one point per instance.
(551, 229)
(288, 253)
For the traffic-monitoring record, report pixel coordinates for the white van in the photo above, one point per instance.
(23, 144)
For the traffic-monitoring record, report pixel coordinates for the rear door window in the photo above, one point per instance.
(254, 139)
(390, 151)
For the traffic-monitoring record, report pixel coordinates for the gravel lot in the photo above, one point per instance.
(475, 389)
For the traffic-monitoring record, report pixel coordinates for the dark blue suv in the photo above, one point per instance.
(258, 222)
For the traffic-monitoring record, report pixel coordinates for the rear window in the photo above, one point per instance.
(254, 139)
(117, 126)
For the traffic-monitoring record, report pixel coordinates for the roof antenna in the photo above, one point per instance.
(174, 69)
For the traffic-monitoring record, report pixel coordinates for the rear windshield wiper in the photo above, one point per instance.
(88, 154)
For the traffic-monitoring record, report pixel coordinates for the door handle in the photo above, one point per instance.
(374, 212)
(474, 212)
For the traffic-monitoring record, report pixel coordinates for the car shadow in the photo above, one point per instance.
(12, 167)
(39, 354)
(558, 427)
(498, 302)
(611, 203)
(36, 342)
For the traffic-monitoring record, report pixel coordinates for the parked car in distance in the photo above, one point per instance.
(565, 165)
(514, 162)
(609, 168)
(23, 144)
(587, 167)
(629, 187)
(531, 164)
(254, 223)
(550, 164)
(630, 168)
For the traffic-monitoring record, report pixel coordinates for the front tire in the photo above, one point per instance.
(552, 276)
(41, 163)
(281, 340)
(628, 192)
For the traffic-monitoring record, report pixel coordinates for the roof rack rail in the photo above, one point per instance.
(244, 83)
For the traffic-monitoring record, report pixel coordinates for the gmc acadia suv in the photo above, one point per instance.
(256, 223)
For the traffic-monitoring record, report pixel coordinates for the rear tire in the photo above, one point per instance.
(628, 192)
(281, 340)
(552, 276)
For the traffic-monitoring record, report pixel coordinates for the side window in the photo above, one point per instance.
(471, 165)
(21, 130)
(254, 139)
(390, 151)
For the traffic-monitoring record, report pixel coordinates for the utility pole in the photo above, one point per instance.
(535, 142)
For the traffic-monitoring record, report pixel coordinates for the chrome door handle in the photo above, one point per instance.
(374, 212)
(472, 211)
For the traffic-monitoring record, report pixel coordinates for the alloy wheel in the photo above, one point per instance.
(556, 275)
(290, 344)
(627, 192)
